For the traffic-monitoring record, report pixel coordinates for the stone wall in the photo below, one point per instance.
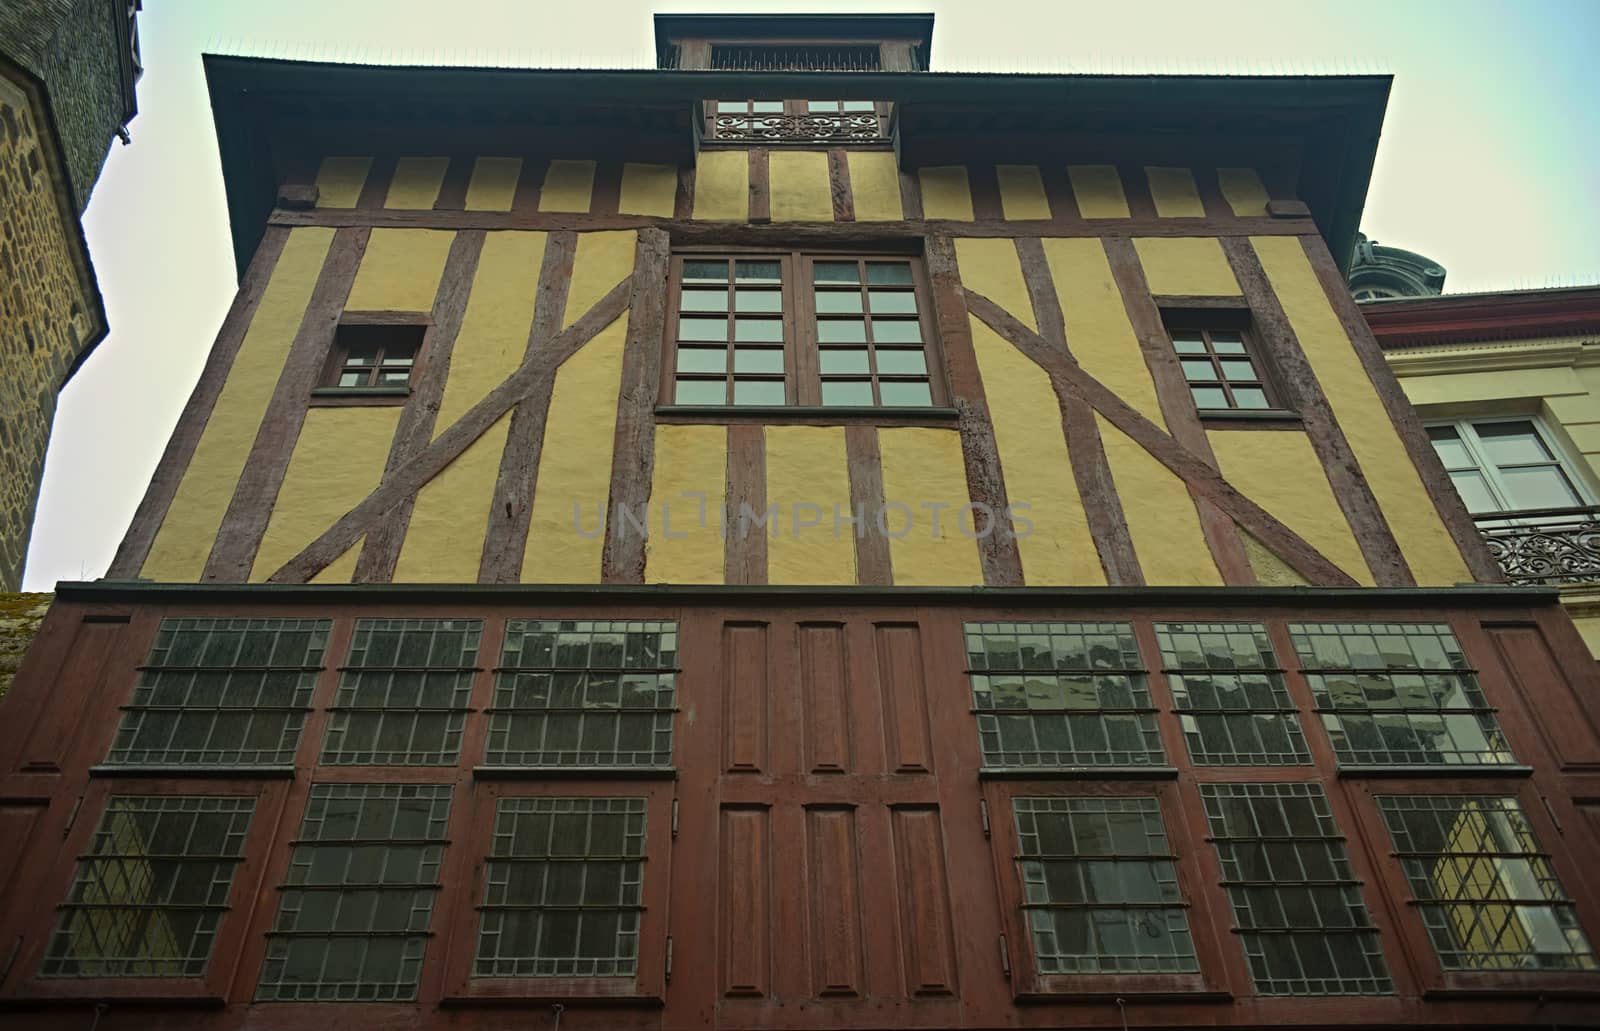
(45, 319)
(20, 617)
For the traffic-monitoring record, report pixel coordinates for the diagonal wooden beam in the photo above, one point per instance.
(1290, 546)
(505, 538)
(1108, 523)
(381, 550)
(535, 370)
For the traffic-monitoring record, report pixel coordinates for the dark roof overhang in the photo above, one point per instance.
(1472, 318)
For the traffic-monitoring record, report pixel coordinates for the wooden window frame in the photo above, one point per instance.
(465, 902)
(1206, 319)
(1201, 901)
(228, 948)
(1431, 976)
(802, 375)
(328, 392)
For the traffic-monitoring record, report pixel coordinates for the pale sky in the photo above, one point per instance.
(1489, 161)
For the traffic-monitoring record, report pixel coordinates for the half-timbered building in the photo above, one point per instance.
(796, 539)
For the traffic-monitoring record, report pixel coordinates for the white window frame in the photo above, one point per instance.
(1466, 432)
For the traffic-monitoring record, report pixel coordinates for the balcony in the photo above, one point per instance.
(1545, 545)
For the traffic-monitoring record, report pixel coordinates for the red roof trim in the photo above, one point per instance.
(1468, 318)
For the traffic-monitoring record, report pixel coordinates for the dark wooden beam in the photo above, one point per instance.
(844, 203)
(760, 185)
(457, 177)
(745, 547)
(874, 564)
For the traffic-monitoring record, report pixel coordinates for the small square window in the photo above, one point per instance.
(376, 360)
(1221, 368)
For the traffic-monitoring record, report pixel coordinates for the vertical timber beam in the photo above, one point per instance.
(874, 565)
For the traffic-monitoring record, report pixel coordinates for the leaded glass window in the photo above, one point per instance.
(563, 890)
(1296, 902)
(1230, 696)
(222, 692)
(1100, 888)
(584, 693)
(1398, 694)
(353, 918)
(1061, 695)
(403, 698)
(151, 890)
(1486, 890)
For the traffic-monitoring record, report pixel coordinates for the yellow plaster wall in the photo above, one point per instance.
(800, 191)
(602, 261)
(1193, 265)
(722, 186)
(924, 467)
(337, 462)
(689, 460)
(1162, 521)
(1279, 471)
(874, 185)
(416, 183)
(808, 481)
(493, 185)
(339, 181)
(1242, 189)
(648, 190)
(1022, 195)
(567, 186)
(1423, 539)
(575, 463)
(991, 267)
(1098, 191)
(1174, 192)
(400, 270)
(184, 540)
(444, 540)
(1098, 330)
(945, 192)
(494, 328)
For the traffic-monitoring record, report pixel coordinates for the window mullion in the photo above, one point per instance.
(1491, 475)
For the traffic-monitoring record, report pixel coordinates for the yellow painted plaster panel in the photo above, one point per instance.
(1161, 516)
(494, 329)
(808, 481)
(337, 462)
(685, 545)
(400, 270)
(1057, 548)
(602, 261)
(1193, 265)
(990, 266)
(342, 570)
(568, 186)
(1421, 534)
(339, 181)
(875, 185)
(1098, 190)
(444, 541)
(1269, 569)
(1242, 189)
(1280, 472)
(493, 185)
(924, 468)
(800, 188)
(945, 192)
(1022, 194)
(722, 186)
(575, 464)
(1098, 330)
(1174, 192)
(1518, 385)
(648, 190)
(184, 540)
(416, 183)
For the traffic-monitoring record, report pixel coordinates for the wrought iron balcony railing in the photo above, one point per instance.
(1545, 545)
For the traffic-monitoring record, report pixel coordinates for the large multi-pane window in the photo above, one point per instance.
(1486, 890)
(1507, 465)
(800, 329)
(1398, 694)
(1230, 695)
(1061, 695)
(1100, 887)
(573, 693)
(353, 918)
(563, 888)
(1296, 902)
(404, 693)
(152, 889)
(222, 692)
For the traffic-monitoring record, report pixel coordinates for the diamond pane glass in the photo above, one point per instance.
(150, 893)
(404, 695)
(1230, 695)
(580, 693)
